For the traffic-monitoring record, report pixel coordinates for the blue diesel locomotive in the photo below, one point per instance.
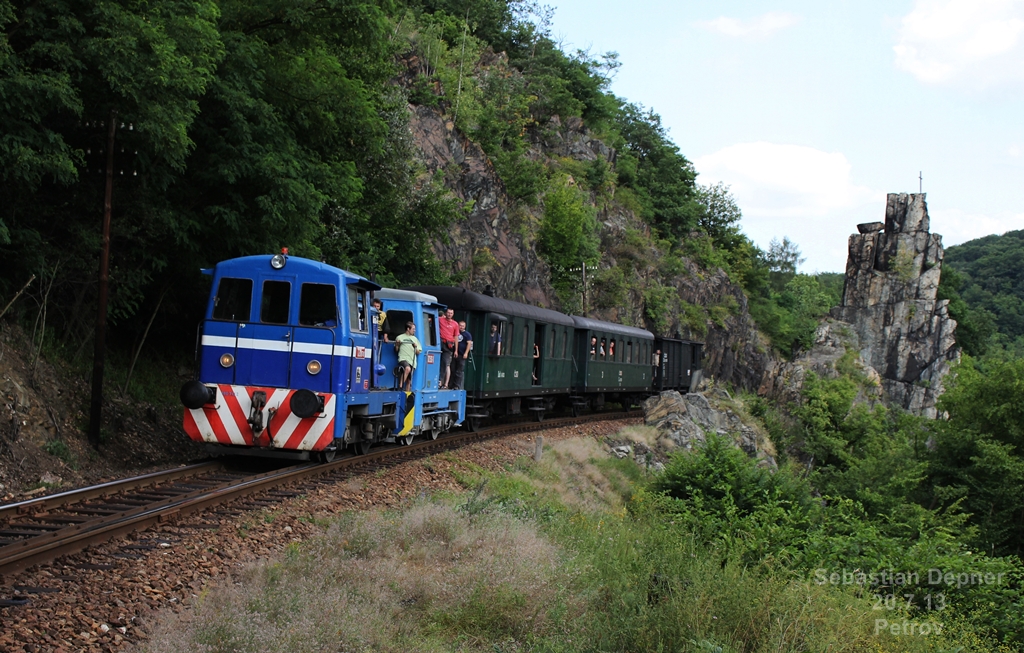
(291, 365)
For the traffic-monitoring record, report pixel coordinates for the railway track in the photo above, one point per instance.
(39, 530)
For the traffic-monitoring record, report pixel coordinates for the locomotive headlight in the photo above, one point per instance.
(313, 367)
(227, 360)
(277, 262)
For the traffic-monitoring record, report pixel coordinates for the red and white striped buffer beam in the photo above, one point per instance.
(227, 421)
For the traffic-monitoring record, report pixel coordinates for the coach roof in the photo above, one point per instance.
(460, 299)
(610, 327)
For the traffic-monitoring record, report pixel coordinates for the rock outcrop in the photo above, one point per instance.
(783, 381)
(889, 299)
(687, 419)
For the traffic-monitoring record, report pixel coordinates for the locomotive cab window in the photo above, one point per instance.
(396, 323)
(430, 324)
(234, 300)
(318, 305)
(276, 302)
(357, 310)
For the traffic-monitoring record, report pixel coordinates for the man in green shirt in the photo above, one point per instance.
(408, 348)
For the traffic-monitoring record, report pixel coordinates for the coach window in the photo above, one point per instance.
(318, 305)
(234, 300)
(611, 350)
(551, 345)
(430, 337)
(495, 338)
(526, 337)
(629, 351)
(276, 301)
(357, 310)
(565, 341)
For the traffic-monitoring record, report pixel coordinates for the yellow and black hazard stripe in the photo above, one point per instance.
(410, 414)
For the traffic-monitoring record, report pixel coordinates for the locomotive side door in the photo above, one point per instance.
(271, 337)
(357, 348)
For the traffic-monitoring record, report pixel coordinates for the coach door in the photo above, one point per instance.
(272, 334)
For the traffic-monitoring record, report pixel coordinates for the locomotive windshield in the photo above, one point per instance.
(276, 300)
(318, 305)
(234, 300)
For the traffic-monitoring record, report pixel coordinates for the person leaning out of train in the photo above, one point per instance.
(536, 362)
(380, 319)
(461, 355)
(408, 347)
(494, 347)
(449, 337)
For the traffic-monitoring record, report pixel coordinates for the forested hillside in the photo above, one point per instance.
(245, 127)
(985, 280)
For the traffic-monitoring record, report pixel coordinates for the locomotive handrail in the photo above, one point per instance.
(351, 362)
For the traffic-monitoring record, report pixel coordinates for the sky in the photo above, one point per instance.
(812, 111)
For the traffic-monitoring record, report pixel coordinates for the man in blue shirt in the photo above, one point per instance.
(495, 346)
(465, 346)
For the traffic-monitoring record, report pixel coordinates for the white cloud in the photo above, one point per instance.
(776, 180)
(795, 191)
(957, 226)
(759, 26)
(978, 41)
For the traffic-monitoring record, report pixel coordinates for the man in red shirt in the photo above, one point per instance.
(449, 336)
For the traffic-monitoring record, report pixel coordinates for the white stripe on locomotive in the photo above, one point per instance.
(277, 345)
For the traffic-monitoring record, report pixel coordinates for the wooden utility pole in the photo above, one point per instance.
(96, 410)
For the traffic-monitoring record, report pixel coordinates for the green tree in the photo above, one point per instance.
(568, 233)
(975, 326)
(720, 214)
(661, 177)
(977, 460)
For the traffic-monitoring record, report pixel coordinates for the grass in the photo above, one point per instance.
(60, 449)
(561, 555)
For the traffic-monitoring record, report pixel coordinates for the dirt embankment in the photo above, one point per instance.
(43, 422)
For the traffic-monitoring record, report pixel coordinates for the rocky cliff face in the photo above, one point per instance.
(495, 245)
(889, 299)
(484, 247)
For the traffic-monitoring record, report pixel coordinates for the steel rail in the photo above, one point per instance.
(44, 504)
(76, 537)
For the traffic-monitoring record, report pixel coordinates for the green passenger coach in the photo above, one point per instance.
(522, 356)
(613, 362)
